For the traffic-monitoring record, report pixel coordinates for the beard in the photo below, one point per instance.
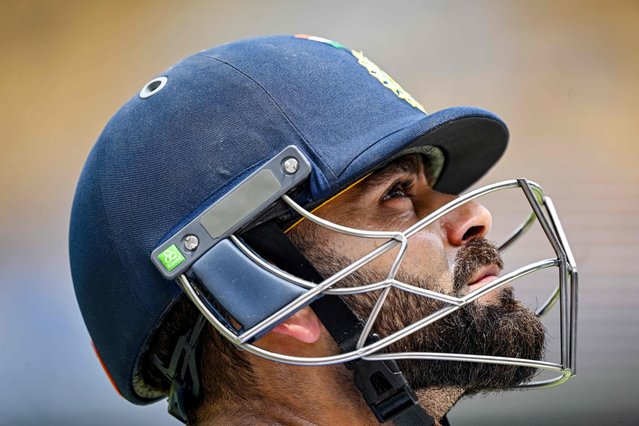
(505, 328)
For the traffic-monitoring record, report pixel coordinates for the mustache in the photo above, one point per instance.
(474, 255)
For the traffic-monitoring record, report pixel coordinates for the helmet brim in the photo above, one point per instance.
(471, 139)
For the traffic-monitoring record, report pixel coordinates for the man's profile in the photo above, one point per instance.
(266, 235)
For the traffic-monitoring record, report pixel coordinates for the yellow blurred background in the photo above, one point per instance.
(564, 75)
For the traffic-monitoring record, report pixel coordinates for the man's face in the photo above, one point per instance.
(449, 256)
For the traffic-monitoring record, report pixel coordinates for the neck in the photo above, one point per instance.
(288, 394)
(297, 396)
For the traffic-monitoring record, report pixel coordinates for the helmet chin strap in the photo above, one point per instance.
(381, 383)
(182, 371)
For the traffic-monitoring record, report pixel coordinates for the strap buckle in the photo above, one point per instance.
(383, 386)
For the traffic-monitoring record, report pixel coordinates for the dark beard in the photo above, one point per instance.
(506, 329)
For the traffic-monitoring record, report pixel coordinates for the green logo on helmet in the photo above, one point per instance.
(171, 257)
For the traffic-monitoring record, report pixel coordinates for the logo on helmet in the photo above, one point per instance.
(386, 80)
(373, 70)
(171, 257)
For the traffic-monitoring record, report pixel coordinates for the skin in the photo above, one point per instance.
(393, 198)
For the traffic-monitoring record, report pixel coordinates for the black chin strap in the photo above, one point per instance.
(182, 371)
(381, 383)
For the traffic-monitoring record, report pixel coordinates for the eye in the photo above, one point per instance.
(398, 190)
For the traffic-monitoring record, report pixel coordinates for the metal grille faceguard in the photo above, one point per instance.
(565, 293)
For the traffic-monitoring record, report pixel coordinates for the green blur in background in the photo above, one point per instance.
(564, 75)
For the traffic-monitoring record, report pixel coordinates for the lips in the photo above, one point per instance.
(476, 260)
(484, 275)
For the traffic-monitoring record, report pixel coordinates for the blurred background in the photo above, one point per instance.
(563, 74)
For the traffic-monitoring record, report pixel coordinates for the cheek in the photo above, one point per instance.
(426, 258)
(348, 246)
(355, 248)
(341, 246)
(425, 261)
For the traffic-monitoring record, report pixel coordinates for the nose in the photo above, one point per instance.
(468, 221)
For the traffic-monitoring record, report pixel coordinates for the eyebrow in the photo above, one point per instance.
(411, 164)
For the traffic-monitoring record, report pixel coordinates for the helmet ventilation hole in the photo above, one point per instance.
(152, 87)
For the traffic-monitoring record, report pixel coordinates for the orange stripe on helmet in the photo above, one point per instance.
(105, 369)
(328, 201)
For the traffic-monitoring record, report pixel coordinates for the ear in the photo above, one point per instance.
(303, 326)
